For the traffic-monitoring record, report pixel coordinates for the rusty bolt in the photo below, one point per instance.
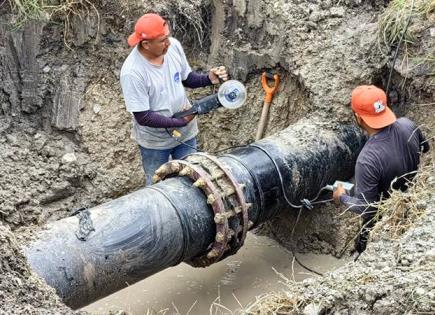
(211, 199)
(200, 183)
(212, 254)
(162, 170)
(219, 218)
(187, 171)
(156, 178)
(237, 210)
(220, 237)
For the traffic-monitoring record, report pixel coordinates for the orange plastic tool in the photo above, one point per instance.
(270, 91)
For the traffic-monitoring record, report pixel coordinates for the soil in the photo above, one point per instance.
(64, 131)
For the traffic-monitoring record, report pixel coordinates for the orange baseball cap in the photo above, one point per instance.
(370, 102)
(149, 26)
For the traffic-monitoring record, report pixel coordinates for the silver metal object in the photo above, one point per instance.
(232, 94)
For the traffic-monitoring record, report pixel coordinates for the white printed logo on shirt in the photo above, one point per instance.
(379, 107)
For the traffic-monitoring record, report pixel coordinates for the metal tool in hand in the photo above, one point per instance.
(231, 94)
(270, 91)
(348, 187)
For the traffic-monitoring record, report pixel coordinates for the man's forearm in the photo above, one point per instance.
(196, 80)
(152, 119)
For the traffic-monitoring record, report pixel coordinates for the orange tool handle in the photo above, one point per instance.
(270, 91)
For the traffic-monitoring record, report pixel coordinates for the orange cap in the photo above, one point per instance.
(149, 26)
(370, 103)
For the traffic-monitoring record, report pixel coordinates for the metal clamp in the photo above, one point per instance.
(240, 206)
(224, 195)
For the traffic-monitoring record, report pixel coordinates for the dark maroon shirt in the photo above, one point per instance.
(383, 162)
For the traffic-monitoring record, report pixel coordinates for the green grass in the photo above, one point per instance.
(394, 21)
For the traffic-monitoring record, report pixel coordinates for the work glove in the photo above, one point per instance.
(361, 240)
(218, 73)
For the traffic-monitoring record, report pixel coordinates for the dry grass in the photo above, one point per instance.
(28, 10)
(393, 23)
(399, 27)
(400, 212)
(275, 303)
(190, 21)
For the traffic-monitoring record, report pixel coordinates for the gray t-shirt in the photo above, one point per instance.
(157, 88)
(383, 162)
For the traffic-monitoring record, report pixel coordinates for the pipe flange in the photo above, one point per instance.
(241, 208)
(203, 181)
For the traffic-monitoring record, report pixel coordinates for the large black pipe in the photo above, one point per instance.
(154, 228)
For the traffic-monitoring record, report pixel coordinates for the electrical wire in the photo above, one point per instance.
(182, 142)
(199, 150)
(305, 203)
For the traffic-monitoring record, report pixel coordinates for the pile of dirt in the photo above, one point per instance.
(21, 292)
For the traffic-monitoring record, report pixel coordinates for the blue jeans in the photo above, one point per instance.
(153, 158)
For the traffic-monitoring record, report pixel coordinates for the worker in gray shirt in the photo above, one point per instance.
(153, 78)
(389, 158)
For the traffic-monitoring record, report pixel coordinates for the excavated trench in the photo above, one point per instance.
(228, 285)
(65, 134)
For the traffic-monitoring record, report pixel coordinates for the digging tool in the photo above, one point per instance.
(270, 91)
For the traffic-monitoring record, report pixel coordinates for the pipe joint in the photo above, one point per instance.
(224, 195)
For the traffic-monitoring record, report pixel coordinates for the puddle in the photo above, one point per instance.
(232, 283)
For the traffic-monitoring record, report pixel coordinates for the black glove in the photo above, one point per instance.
(361, 240)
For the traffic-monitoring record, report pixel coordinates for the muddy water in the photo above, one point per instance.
(223, 288)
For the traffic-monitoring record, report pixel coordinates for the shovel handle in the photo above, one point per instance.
(270, 90)
(263, 121)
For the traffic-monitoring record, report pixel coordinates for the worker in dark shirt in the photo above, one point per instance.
(388, 160)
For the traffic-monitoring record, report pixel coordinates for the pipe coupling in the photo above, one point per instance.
(225, 197)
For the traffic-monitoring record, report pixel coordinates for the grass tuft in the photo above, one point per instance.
(401, 210)
(28, 10)
(393, 23)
